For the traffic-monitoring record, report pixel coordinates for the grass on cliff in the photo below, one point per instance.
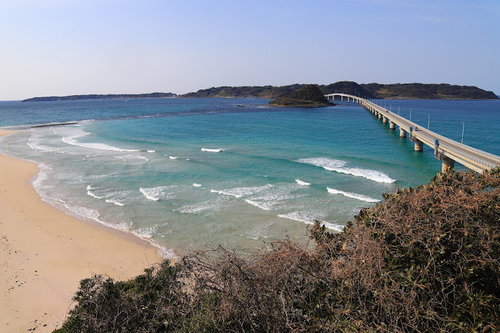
(424, 260)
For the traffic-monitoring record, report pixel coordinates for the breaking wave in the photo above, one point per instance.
(309, 218)
(352, 195)
(239, 192)
(340, 166)
(72, 140)
(301, 182)
(260, 205)
(156, 193)
(212, 150)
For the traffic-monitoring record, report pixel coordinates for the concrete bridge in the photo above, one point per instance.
(446, 150)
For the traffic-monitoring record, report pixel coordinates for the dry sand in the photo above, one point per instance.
(44, 253)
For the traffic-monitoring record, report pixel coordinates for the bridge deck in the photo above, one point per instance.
(469, 157)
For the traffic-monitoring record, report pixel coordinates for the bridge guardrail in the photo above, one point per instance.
(470, 157)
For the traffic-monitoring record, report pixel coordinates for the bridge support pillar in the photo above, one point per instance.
(379, 116)
(392, 126)
(402, 133)
(448, 164)
(419, 145)
(384, 120)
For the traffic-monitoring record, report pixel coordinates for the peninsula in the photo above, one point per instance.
(96, 96)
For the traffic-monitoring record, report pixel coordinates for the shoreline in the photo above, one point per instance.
(45, 252)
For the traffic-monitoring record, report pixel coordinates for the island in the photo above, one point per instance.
(307, 96)
(368, 91)
(365, 90)
(97, 96)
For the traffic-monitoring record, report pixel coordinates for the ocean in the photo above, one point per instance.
(193, 173)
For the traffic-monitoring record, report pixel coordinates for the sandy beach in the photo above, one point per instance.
(44, 253)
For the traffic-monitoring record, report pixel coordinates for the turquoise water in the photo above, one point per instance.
(190, 173)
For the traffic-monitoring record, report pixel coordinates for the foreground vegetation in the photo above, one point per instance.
(424, 260)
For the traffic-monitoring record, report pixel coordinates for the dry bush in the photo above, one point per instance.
(424, 260)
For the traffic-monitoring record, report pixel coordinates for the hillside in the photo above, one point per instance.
(370, 91)
(426, 91)
(424, 260)
(245, 91)
(307, 96)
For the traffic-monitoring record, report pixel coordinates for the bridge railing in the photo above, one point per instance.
(470, 157)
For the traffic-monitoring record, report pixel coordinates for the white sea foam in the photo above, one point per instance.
(212, 150)
(309, 218)
(72, 140)
(110, 197)
(144, 234)
(239, 192)
(305, 217)
(132, 157)
(196, 185)
(35, 145)
(151, 193)
(151, 151)
(88, 213)
(333, 226)
(173, 157)
(194, 209)
(115, 202)
(352, 195)
(147, 232)
(156, 193)
(41, 177)
(80, 211)
(93, 195)
(340, 166)
(210, 205)
(272, 198)
(75, 210)
(260, 205)
(301, 182)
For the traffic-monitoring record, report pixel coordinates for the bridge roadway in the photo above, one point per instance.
(445, 149)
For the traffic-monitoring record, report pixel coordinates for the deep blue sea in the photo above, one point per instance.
(191, 173)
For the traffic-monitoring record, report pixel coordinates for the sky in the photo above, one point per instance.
(64, 47)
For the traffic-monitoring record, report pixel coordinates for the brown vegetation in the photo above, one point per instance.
(424, 260)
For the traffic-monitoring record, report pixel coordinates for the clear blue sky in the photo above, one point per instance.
(61, 47)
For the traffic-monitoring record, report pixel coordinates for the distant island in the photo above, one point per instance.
(96, 96)
(307, 96)
(369, 91)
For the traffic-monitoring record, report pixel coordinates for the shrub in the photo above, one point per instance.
(424, 260)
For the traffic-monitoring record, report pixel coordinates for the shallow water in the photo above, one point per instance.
(188, 173)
